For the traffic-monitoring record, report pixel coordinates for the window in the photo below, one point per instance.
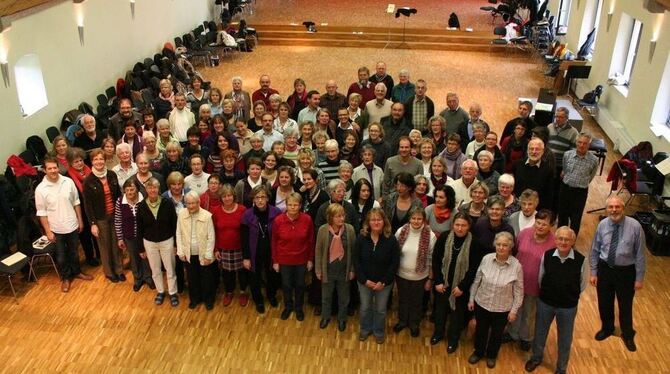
(590, 22)
(625, 52)
(660, 115)
(563, 17)
(30, 84)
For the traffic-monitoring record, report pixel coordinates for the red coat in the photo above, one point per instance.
(292, 241)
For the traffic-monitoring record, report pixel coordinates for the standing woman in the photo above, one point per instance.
(196, 96)
(125, 224)
(398, 204)
(416, 241)
(438, 174)
(325, 123)
(78, 171)
(195, 247)
(211, 199)
(361, 199)
(312, 195)
(284, 188)
(376, 259)
(228, 114)
(506, 191)
(292, 254)
(298, 99)
(306, 130)
(427, 151)
(283, 122)
(156, 226)
(455, 262)
(175, 194)
(256, 231)
(421, 190)
(214, 161)
(437, 133)
(243, 135)
(495, 297)
(59, 152)
(254, 124)
(333, 264)
(485, 172)
(354, 107)
(174, 160)
(109, 151)
(101, 189)
(154, 155)
(441, 214)
(269, 172)
(476, 208)
(227, 223)
(244, 187)
(215, 100)
(306, 161)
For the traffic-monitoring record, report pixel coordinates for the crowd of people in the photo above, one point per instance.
(345, 198)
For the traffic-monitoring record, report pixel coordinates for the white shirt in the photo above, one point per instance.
(461, 190)
(270, 138)
(56, 201)
(410, 252)
(123, 174)
(180, 121)
(289, 124)
(525, 222)
(197, 183)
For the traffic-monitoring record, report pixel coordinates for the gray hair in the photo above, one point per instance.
(332, 143)
(403, 72)
(162, 123)
(345, 165)
(334, 183)
(153, 182)
(504, 235)
(123, 147)
(506, 179)
(381, 85)
(291, 131)
(192, 195)
(236, 79)
(485, 153)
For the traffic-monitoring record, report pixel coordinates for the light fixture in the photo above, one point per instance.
(610, 14)
(652, 48)
(132, 8)
(79, 14)
(4, 66)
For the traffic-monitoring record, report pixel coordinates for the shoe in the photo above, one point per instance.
(506, 338)
(65, 286)
(113, 279)
(260, 308)
(151, 284)
(630, 344)
(435, 339)
(602, 335)
(490, 363)
(137, 287)
(398, 327)
(122, 277)
(351, 311)
(209, 306)
(324, 323)
(317, 311)
(84, 276)
(363, 336)
(244, 299)
(300, 315)
(414, 332)
(227, 298)
(473, 359)
(524, 345)
(159, 298)
(192, 305)
(174, 300)
(380, 339)
(285, 314)
(273, 302)
(93, 262)
(342, 325)
(531, 365)
(451, 348)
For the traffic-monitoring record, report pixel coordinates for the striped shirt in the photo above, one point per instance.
(498, 286)
(561, 139)
(578, 171)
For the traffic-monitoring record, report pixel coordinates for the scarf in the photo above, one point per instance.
(452, 156)
(100, 174)
(424, 245)
(346, 153)
(441, 214)
(423, 197)
(153, 207)
(78, 177)
(462, 263)
(438, 181)
(336, 250)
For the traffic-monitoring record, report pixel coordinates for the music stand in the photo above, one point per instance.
(577, 72)
(405, 11)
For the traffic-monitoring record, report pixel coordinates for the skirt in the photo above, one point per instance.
(231, 260)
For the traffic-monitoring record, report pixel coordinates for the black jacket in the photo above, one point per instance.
(156, 229)
(94, 196)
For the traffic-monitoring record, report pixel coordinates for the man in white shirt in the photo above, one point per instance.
(309, 113)
(197, 180)
(268, 133)
(462, 185)
(59, 211)
(180, 118)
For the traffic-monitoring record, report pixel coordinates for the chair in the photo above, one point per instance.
(111, 93)
(28, 157)
(631, 184)
(10, 270)
(501, 32)
(591, 105)
(52, 133)
(39, 254)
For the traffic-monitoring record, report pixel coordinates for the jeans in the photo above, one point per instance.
(522, 327)
(340, 283)
(489, 322)
(139, 266)
(565, 323)
(110, 255)
(410, 302)
(162, 253)
(373, 309)
(66, 254)
(293, 285)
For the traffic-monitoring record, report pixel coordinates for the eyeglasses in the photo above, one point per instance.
(260, 197)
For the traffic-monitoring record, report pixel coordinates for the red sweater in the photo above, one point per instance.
(292, 241)
(227, 228)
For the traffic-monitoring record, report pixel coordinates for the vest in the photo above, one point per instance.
(561, 282)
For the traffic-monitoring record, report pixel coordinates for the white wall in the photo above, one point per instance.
(114, 42)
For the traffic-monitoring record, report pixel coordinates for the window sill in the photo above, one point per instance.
(622, 89)
(660, 130)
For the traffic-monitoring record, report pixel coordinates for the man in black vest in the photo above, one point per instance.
(562, 279)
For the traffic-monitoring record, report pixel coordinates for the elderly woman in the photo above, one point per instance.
(164, 102)
(415, 139)
(244, 187)
(376, 259)
(344, 172)
(195, 247)
(254, 124)
(437, 132)
(333, 264)
(354, 109)
(306, 161)
(109, 151)
(174, 160)
(438, 174)
(486, 174)
(398, 204)
(256, 151)
(156, 226)
(144, 173)
(362, 200)
(495, 297)
(101, 189)
(256, 231)
(506, 192)
(491, 145)
(306, 130)
(154, 155)
(291, 146)
(125, 224)
(78, 171)
(283, 121)
(274, 101)
(440, 214)
(126, 167)
(476, 207)
(486, 228)
(319, 139)
(175, 194)
(453, 155)
(479, 135)
(416, 241)
(292, 254)
(455, 262)
(421, 190)
(228, 114)
(59, 152)
(284, 189)
(376, 140)
(164, 135)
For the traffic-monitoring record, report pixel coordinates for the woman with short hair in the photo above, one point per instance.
(506, 192)
(440, 214)
(438, 174)
(421, 190)
(78, 171)
(175, 194)
(476, 207)
(398, 204)
(283, 121)
(244, 187)
(485, 172)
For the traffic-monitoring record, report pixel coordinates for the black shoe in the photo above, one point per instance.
(151, 284)
(160, 297)
(324, 323)
(602, 335)
(351, 311)
(260, 308)
(122, 277)
(285, 314)
(473, 359)
(451, 348)
(524, 345)
(630, 344)
(137, 287)
(531, 365)
(93, 262)
(113, 279)
(209, 306)
(317, 311)
(506, 338)
(300, 315)
(273, 302)
(174, 300)
(414, 332)
(342, 325)
(192, 305)
(490, 363)
(398, 327)
(435, 339)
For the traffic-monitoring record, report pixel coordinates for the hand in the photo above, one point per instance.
(511, 317)
(207, 262)
(379, 286)
(471, 306)
(318, 276)
(183, 258)
(594, 281)
(370, 284)
(309, 266)
(439, 288)
(276, 267)
(247, 264)
(143, 255)
(638, 285)
(456, 292)
(122, 245)
(427, 285)
(94, 231)
(51, 236)
(217, 254)
(352, 275)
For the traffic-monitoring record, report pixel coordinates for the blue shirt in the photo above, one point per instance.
(629, 251)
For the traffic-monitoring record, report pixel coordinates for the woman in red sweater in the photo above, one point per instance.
(228, 249)
(292, 254)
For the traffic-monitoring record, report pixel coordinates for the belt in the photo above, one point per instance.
(616, 267)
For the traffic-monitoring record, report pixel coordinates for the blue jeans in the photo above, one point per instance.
(565, 323)
(373, 309)
(67, 256)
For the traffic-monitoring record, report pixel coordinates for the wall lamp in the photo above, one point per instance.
(609, 15)
(132, 8)
(79, 14)
(5, 25)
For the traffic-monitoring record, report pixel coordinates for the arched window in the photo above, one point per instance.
(30, 84)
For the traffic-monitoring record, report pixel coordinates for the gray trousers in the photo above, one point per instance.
(340, 283)
(110, 255)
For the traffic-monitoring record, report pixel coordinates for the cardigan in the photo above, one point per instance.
(322, 250)
(377, 263)
(204, 234)
(156, 228)
(125, 221)
(292, 240)
(250, 232)
(94, 196)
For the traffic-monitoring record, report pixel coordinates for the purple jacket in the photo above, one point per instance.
(125, 222)
(250, 243)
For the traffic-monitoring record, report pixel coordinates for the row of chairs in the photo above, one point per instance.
(39, 255)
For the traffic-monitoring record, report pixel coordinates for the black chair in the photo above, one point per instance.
(36, 145)
(102, 99)
(10, 270)
(45, 253)
(178, 42)
(52, 133)
(501, 32)
(590, 100)
(111, 93)
(28, 157)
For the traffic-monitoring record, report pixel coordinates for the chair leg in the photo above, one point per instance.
(11, 285)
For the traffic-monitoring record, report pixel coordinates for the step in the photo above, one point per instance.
(394, 44)
(413, 37)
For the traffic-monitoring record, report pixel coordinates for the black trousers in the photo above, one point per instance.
(179, 271)
(410, 301)
(201, 287)
(489, 330)
(314, 291)
(263, 269)
(571, 202)
(444, 313)
(619, 283)
(293, 285)
(230, 277)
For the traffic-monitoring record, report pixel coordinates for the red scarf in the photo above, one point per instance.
(336, 247)
(78, 177)
(441, 214)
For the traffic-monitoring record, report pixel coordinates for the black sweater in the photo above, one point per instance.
(376, 263)
(156, 229)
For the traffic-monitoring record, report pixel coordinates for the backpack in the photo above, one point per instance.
(453, 21)
(589, 98)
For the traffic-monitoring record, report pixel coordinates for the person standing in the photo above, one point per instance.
(617, 269)
(562, 279)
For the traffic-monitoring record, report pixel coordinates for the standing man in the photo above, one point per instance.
(119, 120)
(241, 99)
(381, 77)
(579, 169)
(457, 118)
(91, 137)
(181, 119)
(363, 86)
(419, 108)
(309, 112)
(562, 279)
(562, 138)
(268, 133)
(525, 109)
(617, 269)
(376, 109)
(333, 100)
(395, 126)
(402, 162)
(532, 173)
(264, 92)
(59, 211)
(475, 113)
(402, 91)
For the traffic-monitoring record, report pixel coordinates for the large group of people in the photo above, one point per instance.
(346, 198)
